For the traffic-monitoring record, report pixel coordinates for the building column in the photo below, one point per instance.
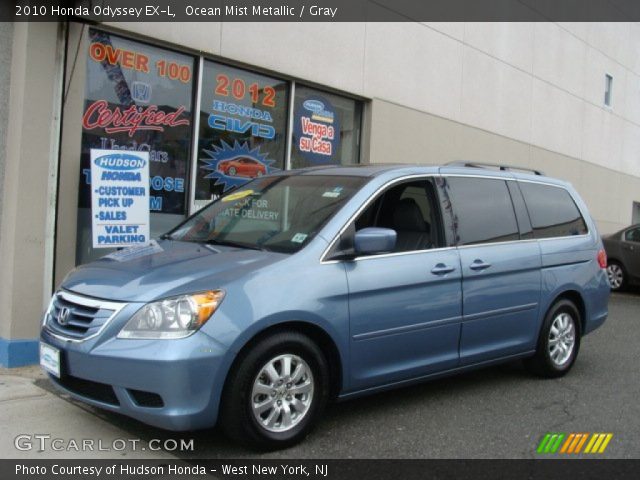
(28, 189)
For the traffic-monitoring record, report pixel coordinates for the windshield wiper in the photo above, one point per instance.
(230, 243)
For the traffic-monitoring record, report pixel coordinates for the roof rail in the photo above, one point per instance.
(493, 165)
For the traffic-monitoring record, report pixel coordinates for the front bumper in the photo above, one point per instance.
(172, 384)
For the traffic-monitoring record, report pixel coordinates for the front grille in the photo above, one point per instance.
(100, 392)
(77, 318)
(146, 399)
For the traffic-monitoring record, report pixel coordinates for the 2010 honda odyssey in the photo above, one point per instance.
(304, 286)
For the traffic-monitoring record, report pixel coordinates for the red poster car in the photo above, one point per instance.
(242, 167)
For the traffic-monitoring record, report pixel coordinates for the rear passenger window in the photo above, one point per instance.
(484, 210)
(552, 211)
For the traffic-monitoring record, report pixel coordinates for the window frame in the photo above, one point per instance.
(582, 214)
(608, 90)
(626, 232)
(334, 248)
(516, 217)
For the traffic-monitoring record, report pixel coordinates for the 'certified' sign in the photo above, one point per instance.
(119, 198)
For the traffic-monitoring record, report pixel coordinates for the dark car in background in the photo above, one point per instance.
(623, 252)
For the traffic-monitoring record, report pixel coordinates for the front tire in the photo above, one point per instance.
(617, 276)
(559, 341)
(275, 392)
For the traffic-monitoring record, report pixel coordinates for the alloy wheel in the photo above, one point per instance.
(562, 339)
(282, 393)
(616, 275)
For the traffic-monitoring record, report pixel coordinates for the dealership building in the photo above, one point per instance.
(215, 104)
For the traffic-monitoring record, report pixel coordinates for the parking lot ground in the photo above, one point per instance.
(500, 412)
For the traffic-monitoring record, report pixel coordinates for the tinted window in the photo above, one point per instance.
(632, 235)
(552, 210)
(483, 209)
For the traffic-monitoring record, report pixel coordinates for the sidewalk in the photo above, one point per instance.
(29, 407)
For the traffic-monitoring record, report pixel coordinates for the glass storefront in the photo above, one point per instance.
(326, 129)
(243, 123)
(142, 97)
(137, 97)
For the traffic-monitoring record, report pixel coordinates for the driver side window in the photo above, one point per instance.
(410, 209)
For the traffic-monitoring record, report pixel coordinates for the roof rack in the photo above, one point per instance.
(504, 168)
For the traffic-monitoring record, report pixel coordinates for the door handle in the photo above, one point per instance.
(478, 265)
(441, 269)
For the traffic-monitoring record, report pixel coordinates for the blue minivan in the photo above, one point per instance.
(326, 283)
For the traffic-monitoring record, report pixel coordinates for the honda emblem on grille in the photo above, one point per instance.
(63, 316)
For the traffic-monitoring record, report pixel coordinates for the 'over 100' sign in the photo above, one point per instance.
(119, 198)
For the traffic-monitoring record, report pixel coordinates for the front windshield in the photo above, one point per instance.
(280, 213)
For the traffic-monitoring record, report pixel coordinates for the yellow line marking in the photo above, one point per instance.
(605, 443)
(591, 442)
(598, 442)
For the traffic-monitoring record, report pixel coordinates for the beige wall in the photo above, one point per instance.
(399, 135)
(539, 83)
(28, 177)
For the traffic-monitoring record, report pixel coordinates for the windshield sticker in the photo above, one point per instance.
(335, 193)
(131, 253)
(237, 195)
(254, 209)
(299, 237)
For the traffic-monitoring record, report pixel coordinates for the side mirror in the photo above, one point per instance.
(374, 240)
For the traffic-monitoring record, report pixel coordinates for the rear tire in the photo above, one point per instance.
(275, 392)
(558, 343)
(617, 276)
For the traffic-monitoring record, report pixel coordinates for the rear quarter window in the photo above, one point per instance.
(552, 211)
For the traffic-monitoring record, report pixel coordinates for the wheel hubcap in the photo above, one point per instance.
(562, 339)
(615, 275)
(282, 393)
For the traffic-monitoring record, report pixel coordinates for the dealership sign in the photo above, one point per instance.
(316, 130)
(119, 198)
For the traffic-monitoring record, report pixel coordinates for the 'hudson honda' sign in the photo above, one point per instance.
(119, 198)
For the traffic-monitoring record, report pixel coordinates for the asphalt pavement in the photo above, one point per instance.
(500, 412)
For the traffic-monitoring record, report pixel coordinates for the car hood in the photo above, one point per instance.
(170, 268)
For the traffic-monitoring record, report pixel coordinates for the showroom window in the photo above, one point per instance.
(137, 97)
(326, 129)
(208, 126)
(243, 127)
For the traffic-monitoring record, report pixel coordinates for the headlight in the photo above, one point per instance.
(176, 317)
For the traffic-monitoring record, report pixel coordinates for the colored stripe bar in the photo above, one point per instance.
(543, 443)
(594, 437)
(556, 445)
(567, 443)
(606, 441)
(584, 439)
